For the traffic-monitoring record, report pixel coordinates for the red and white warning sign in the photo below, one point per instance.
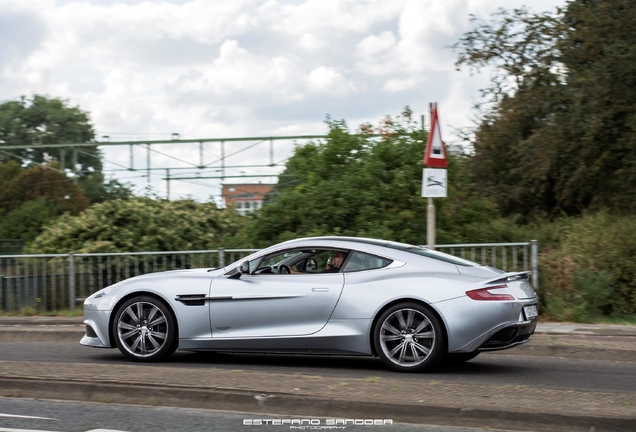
(435, 153)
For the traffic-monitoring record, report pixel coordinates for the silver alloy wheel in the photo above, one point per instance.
(407, 337)
(142, 329)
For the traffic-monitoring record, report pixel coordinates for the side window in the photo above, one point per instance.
(278, 263)
(299, 261)
(359, 261)
(322, 260)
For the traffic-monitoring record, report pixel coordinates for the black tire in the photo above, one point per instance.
(408, 337)
(459, 358)
(145, 329)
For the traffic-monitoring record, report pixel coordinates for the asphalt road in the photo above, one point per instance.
(39, 415)
(487, 369)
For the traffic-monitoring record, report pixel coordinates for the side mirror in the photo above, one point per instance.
(244, 268)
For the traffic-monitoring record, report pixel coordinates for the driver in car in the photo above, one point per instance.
(335, 262)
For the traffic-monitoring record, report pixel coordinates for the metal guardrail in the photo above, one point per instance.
(504, 256)
(59, 281)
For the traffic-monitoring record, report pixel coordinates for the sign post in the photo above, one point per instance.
(434, 181)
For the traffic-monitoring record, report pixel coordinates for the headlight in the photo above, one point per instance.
(102, 292)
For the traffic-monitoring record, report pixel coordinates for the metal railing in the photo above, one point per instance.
(505, 256)
(60, 281)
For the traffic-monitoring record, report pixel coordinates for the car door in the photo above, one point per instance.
(267, 305)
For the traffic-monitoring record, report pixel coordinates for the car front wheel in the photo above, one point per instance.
(408, 337)
(145, 329)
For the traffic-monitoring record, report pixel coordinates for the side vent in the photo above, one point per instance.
(192, 299)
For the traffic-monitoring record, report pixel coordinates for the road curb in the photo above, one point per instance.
(535, 347)
(276, 404)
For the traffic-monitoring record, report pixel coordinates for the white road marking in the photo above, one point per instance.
(21, 430)
(26, 417)
(33, 430)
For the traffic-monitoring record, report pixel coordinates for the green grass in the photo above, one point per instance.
(622, 320)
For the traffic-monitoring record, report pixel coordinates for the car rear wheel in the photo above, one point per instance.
(408, 337)
(145, 329)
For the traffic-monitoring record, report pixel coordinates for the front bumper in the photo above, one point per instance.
(96, 329)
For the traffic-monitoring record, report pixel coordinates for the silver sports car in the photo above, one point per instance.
(411, 306)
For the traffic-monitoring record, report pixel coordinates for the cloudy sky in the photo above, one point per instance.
(145, 70)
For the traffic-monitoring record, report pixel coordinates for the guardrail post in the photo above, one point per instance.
(71, 279)
(534, 262)
(221, 257)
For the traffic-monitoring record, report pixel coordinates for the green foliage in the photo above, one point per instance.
(143, 224)
(557, 142)
(25, 222)
(42, 181)
(45, 172)
(30, 198)
(518, 44)
(592, 271)
(97, 189)
(599, 124)
(560, 134)
(359, 185)
(40, 120)
(8, 171)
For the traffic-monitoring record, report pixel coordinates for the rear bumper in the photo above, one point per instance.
(509, 336)
(502, 337)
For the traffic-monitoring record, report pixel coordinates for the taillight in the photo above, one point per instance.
(487, 294)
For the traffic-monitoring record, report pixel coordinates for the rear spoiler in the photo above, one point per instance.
(508, 277)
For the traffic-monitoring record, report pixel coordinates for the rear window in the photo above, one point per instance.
(429, 253)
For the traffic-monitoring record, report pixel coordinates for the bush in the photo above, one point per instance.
(25, 222)
(593, 271)
(144, 224)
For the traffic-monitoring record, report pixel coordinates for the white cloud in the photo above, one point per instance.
(329, 80)
(310, 42)
(237, 68)
(374, 45)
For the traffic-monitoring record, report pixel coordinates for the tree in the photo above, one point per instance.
(30, 198)
(44, 181)
(143, 224)
(25, 222)
(97, 189)
(8, 171)
(559, 134)
(599, 55)
(38, 121)
(520, 46)
(361, 185)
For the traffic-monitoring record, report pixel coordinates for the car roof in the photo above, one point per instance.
(370, 241)
(397, 248)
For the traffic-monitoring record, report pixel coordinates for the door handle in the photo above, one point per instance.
(320, 289)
